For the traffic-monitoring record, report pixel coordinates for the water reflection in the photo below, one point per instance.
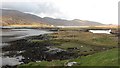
(101, 31)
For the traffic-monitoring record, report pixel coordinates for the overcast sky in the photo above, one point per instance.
(104, 11)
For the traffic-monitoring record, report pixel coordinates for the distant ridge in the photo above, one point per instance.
(11, 17)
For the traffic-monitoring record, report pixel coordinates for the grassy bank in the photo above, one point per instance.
(106, 58)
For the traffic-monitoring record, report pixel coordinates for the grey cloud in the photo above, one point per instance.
(45, 7)
(48, 8)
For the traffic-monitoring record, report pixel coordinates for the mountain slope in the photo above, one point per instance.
(75, 22)
(14, 17)
(11, 17)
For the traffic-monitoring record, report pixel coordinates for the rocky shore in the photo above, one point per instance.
(34, 51)
(57, 46)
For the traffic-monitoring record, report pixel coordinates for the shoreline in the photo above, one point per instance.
(8, 43)
(26, 61)
(47, 48)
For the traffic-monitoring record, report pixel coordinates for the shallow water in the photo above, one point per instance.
(14, 34)
(101, 31)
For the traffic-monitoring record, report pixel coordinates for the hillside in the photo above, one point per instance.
(75, 22)
(14, 17)
(17, 18)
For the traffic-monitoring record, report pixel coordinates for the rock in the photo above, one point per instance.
(81, 46)
(71, 63)
(54, 50)
(38, 61)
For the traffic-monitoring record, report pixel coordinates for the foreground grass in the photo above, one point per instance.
(106, 58)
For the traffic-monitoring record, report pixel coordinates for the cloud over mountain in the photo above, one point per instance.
(41, 9)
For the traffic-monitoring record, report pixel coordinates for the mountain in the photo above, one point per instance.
(14, 17)
(75, 22)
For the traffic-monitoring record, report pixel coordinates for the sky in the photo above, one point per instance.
(103, 11)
